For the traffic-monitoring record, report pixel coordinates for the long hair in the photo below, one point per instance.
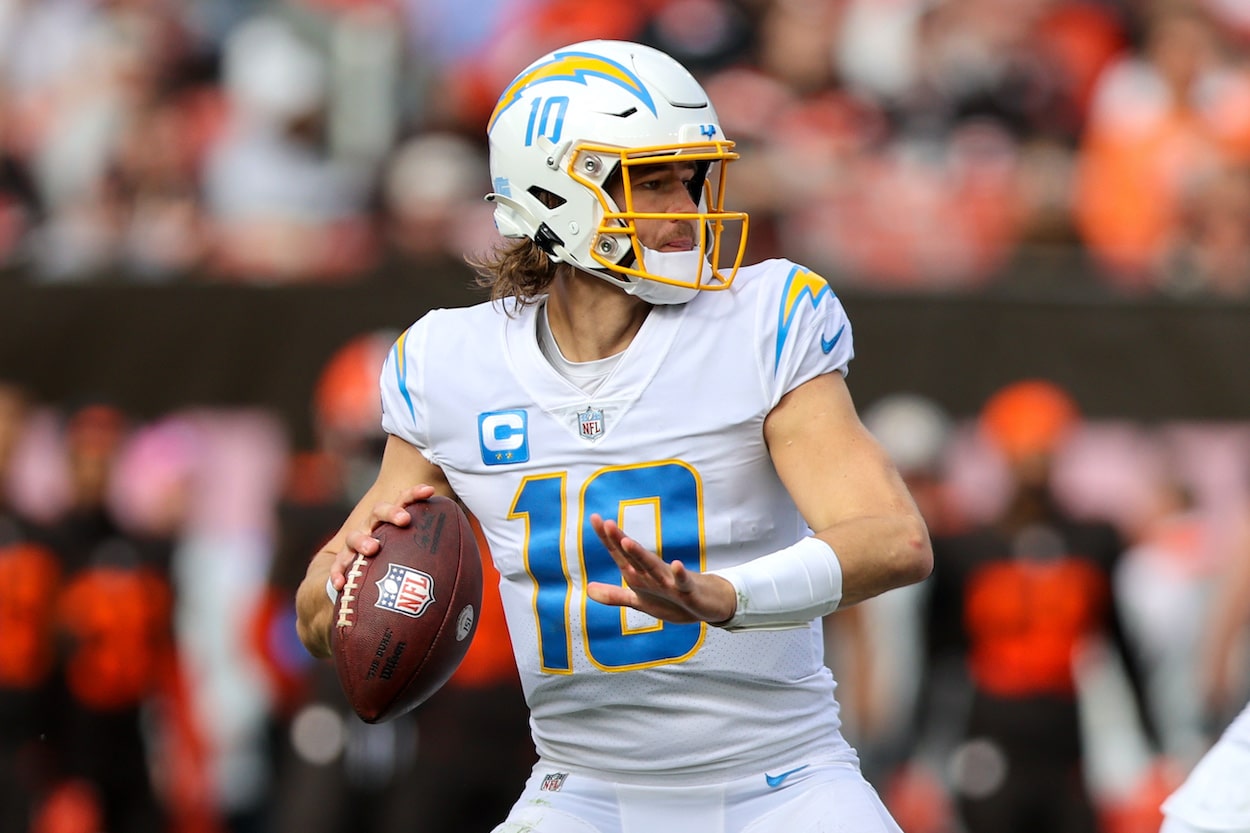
(514, 268)
(518, 269)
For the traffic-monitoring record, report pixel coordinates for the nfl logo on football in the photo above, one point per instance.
(405, 590)
(590, 423)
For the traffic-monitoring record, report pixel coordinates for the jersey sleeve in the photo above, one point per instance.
(403, 383)
(807, 331)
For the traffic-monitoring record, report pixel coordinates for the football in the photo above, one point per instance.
(406, 616)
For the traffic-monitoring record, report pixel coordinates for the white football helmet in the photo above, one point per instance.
(578, 115)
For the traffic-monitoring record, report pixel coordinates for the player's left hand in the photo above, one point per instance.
(665, 590)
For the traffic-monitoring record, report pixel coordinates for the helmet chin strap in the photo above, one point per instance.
(661, 294)
(680, 266)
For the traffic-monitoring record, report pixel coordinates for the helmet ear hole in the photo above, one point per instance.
(548, 198)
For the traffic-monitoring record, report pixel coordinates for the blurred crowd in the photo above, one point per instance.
(1066, 654)
(151, 680)
(932, 144)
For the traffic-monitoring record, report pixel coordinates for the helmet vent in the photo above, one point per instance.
(548, 198)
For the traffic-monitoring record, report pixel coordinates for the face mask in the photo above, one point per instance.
(679, 266)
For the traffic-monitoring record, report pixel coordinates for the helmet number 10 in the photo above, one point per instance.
(546, 119)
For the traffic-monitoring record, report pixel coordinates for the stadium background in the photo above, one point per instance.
(204, 204)
(1143, 359)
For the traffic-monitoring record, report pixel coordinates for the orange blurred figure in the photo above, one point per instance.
(1029, 418)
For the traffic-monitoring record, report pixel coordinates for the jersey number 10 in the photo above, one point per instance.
(672, 490)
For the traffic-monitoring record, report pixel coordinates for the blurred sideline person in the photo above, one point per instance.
(1010, 606)
(1216, 794)
(645, 455)
(29, 575)
(127, 755)
(916, 431)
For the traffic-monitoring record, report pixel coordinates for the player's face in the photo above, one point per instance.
(661, 189)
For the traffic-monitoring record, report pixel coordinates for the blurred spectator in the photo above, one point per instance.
(79, 74)
(794, 43)
(507, 42)
(121, 694)
(1163, 119)
(916, 214)
(432, 199)
(703, 35)
(29, 573)
(1209, 254)
(1013, 606)
(979, 60)
(1166, 582)
(939, 143)
(280, 207)
(936, 198)
(163, 234)
(228, 463)
(1223, 678)
(14, 410)
(1212, 796)
(21, 207)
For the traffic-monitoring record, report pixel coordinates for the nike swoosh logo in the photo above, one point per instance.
(774, 781)
(827, 345)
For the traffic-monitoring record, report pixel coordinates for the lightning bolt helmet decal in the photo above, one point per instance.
(576, 67)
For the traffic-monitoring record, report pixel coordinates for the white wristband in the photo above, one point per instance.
(331, 592)
(785, 589)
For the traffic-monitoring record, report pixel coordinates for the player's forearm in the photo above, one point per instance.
(880, 553)
(313, 608)
(812, 578)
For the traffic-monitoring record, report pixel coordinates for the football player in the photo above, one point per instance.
(663, 453)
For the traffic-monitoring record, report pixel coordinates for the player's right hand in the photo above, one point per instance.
(360, 541)
(667, 591)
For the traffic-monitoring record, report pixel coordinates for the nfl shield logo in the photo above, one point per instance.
(405, 590)
(590, 423)
(553, 781)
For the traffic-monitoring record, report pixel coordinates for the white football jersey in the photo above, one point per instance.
(671, 445)
(1215, 795)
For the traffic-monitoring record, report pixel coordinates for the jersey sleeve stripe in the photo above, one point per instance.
(401, 373)
(800, 284)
